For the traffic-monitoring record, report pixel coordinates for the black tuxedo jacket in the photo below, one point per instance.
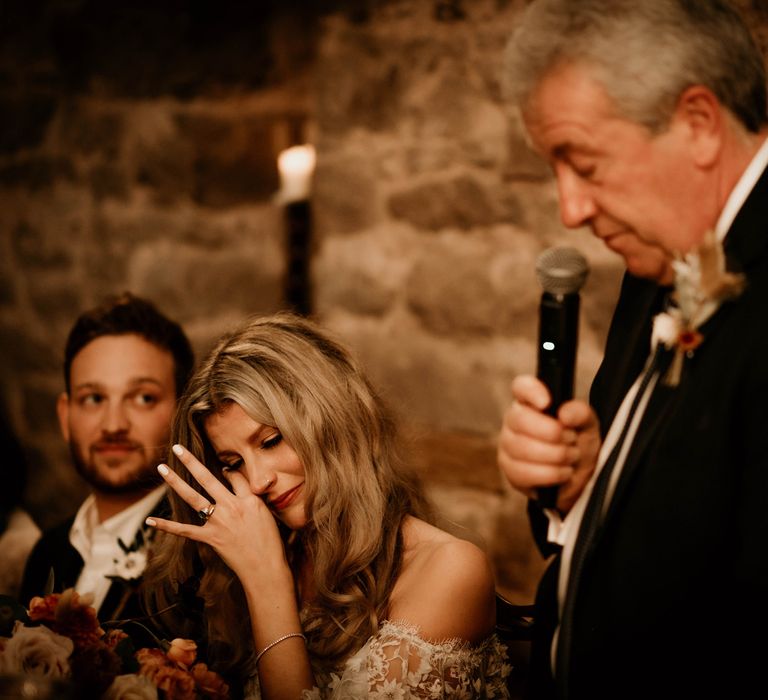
(54, 551)
(674, 596)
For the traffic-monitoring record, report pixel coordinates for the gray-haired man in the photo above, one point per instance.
(652, 114)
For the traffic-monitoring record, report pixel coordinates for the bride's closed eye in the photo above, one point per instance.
(272, 441)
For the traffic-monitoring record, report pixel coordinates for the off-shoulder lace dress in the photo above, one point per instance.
(397, 664)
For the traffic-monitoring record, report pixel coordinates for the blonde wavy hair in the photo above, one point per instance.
(284, 371)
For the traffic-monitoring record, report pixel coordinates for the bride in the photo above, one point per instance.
(321, 574)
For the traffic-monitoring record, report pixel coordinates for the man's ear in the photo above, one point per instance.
(703, 117)
(62, 410)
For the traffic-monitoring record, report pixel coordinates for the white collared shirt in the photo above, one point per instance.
(565, 531)
(99, 544)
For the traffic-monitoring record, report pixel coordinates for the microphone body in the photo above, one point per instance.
(558, 338)
(562, 272)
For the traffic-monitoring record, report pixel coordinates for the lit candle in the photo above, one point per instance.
(296, 165)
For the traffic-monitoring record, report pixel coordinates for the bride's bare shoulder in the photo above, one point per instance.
(446, 586)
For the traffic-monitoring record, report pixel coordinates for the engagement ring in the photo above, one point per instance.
(207, 512)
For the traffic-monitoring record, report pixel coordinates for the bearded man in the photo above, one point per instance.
(125, 365)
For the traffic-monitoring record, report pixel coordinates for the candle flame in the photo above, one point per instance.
(296, 165)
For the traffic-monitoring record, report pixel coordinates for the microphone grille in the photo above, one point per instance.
(561, 270)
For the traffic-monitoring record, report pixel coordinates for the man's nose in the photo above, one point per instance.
(115, 417)
(577, 205)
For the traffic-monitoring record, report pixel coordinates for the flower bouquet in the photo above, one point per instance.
(60, 639)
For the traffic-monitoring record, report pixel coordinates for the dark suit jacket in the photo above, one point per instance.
(674, 595)
(54, 551)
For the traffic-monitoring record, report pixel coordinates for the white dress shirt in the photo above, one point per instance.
(99, 544)
(565, 531)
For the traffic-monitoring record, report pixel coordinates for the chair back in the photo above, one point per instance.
(514, 627)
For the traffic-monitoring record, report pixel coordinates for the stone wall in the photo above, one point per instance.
(431, 211)
(137, 151)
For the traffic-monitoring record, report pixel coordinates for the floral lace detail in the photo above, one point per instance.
(397, 664)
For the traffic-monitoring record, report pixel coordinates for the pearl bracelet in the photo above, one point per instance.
(276, 642)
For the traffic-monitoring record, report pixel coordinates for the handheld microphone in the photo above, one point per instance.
(561, 272)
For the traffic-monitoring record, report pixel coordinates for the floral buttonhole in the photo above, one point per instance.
(702, 284)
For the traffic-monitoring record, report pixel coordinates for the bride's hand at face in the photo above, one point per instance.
(241, 528)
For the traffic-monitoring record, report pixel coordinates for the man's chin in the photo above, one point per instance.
(651, 268)
(110, 480)
(123, 488)
(642, 260)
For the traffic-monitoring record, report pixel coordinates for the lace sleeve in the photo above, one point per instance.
(398, 664)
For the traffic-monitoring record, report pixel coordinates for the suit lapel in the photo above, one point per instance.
(659, 405)
(627, 348)
(66, 560)
(661, 402)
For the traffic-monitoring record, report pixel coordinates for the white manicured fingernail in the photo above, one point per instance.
(178, 450)
(163, 469)
(151, 522)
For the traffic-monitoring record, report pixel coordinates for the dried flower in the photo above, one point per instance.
(150, 660)
(210, 683)
(131, 687)
(114, 637)
(64, 640)
(44, 609)
(131, 566)
(68, 614)
(128, 567)
(36, 650)
(76, 619)
(95, 667)
(666, 330)
(702, 284)
(182, 652)
(170, 674)
(689, 340)
(175, 682)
